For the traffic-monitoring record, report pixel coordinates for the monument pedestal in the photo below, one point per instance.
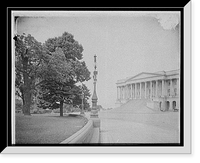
(96, 122)
(94, 117)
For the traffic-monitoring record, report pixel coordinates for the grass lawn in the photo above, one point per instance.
(46, 128)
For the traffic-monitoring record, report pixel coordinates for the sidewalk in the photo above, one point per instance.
(119, 128)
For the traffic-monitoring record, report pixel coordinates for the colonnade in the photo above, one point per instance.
(149, 89)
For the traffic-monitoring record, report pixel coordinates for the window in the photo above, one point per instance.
(175, 81)
(175, 91)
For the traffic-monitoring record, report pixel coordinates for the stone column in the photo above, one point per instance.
(140, 90)
(163, 87)
(131, 91)
(135, 90)
(126, 92)
(177, 87)
(156, 88)
(145, 90)
(117, 93)
(171, 88)
(122, 93)
(150, 89)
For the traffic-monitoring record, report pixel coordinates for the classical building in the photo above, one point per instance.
(159, 89)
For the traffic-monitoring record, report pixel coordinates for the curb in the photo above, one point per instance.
(88, 134)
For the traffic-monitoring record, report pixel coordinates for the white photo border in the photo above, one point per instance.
(186, 148)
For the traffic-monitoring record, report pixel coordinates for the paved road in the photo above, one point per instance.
(146, 127)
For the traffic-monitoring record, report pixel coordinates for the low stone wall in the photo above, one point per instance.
(88, 134)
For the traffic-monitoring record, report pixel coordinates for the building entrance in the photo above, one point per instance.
(167, 105)
(160, 105)
(174, 105)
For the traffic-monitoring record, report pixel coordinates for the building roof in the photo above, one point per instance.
(143, 75)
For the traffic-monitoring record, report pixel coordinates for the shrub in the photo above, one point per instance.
(58, 110)
(18, 104)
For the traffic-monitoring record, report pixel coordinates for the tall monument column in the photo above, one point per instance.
(94, 111)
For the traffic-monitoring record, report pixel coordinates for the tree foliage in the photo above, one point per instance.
(82, 92)
(28, 57)
(67, 70)
(52, 69)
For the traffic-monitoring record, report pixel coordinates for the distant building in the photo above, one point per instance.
(159, 89)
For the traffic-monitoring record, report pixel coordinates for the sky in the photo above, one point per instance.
(126, 43)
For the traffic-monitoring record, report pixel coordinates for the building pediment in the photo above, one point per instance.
(144, 75)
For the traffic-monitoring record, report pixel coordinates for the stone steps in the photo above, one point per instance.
(134, 106)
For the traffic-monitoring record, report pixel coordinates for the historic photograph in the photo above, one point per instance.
(97, 77)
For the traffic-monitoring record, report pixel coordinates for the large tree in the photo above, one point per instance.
(29, 54)
(61, 88)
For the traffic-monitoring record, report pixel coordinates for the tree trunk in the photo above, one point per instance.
(26, 89)
(23, 98)
(27, 102)
(61, 108)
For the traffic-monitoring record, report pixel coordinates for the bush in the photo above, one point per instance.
(58, 110)
(34, 111)
(75, 109)
(18, 104)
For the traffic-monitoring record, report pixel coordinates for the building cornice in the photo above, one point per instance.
(161, 75)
